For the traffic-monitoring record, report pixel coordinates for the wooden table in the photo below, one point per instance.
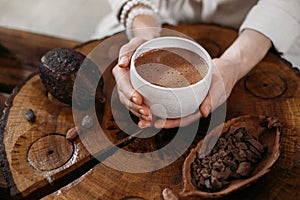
(20, 53)
(271, 89)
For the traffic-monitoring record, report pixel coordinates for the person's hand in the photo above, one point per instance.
(169, 195)
(223, 80)
(128, 96)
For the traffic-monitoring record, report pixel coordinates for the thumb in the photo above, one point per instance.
(206, 106)
(216, 96)
(169, 195)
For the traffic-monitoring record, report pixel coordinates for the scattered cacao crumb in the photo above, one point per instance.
(72, 133)
(87, 122)
(29, 115)
(233, 157)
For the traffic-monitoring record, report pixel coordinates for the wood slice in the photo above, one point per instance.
(103, 182)
(37, 154)
(108, 183)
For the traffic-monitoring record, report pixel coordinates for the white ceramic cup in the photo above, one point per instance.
(171, 102)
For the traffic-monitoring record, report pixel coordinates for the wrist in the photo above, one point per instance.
(146, 27)
(144, 23)
(233, 66)
(130, 4)
(246, 51)
(141, 19)
(228, 70)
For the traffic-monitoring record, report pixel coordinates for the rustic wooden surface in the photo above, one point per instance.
(20, 53)
(269, 89)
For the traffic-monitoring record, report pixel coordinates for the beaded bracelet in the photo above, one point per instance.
(141, 11)
(130, 4)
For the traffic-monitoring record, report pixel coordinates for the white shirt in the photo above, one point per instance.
(279, 20)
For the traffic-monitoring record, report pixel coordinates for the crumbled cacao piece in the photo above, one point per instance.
(231, 163)
(29, 115)
(255, 152)
(244, 169)
(222, 143)
(72, 133)
(233, 157)
(227, 173)
(205, 173)
(236, 155)
(221, 175)
(218, 166)
(257, 145)
(238, 135)
(251, 156)
(243, 155)
(241, 145)
(215, 183)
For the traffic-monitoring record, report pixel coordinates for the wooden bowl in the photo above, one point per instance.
(266, 129)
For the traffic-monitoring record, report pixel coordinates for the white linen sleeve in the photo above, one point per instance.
(116, 6)
(279, 20)
(171, 11)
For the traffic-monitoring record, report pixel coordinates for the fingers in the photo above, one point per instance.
(124, 60)
(131, 99)
(172, 123)
(127, 50)
(123, 83)
(206, 106)
(144, 123)
(169, 195)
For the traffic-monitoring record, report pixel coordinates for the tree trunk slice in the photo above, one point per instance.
(249, 97)
(38, 154)
(102, 182)
(19, 56)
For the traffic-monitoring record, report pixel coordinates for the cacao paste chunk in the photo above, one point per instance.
(58, 71)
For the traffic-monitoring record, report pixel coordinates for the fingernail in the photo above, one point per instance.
(168, 194)
(168, 191)
(123, 60)
(144, 124)
(141, 111)
(134, 100)
(147, 118)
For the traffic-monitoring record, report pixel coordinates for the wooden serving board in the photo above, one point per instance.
(40, 162)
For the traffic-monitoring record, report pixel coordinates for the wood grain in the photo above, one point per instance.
(35, 159)
(242, 101)
(20, 52)
(102, 182)
(3, 98)
(2, 105)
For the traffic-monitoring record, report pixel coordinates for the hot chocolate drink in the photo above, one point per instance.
(171, 67)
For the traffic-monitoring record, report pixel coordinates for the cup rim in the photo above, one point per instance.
(134, 56)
